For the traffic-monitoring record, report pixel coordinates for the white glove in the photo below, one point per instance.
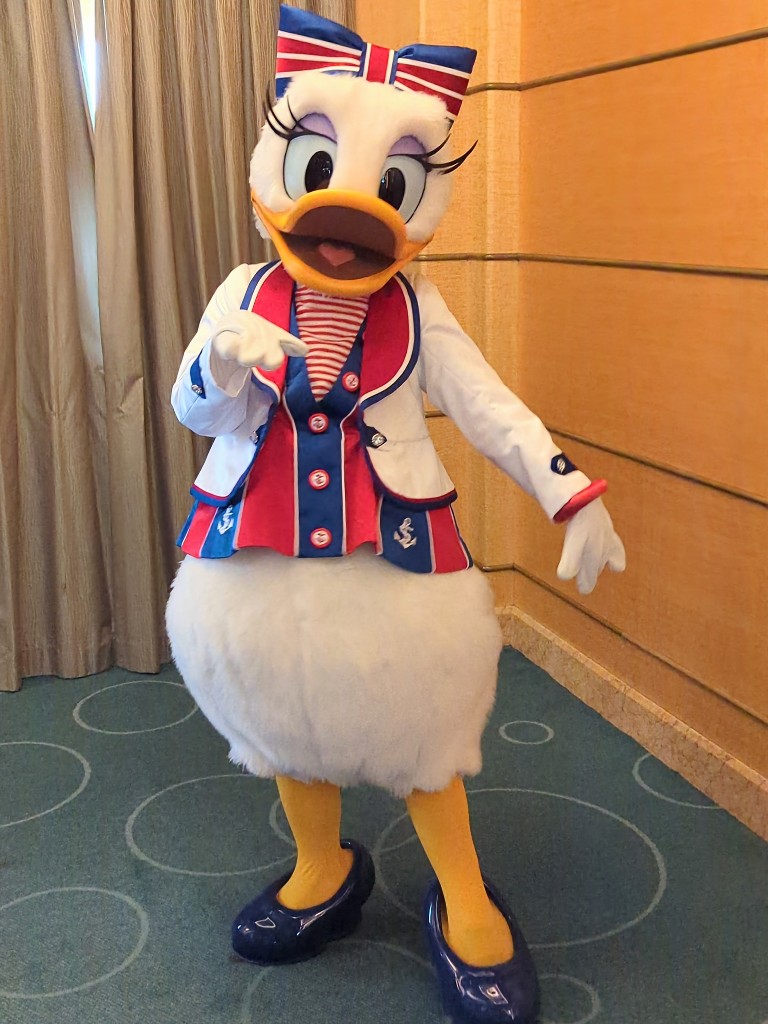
(590, 544)
(250, 340)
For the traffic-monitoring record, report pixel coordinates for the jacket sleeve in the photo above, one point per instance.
(210, 395)
(458, 380)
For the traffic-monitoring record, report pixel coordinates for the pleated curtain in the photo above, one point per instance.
(111, 243)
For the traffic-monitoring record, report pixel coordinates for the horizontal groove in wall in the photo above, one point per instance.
(732, 492)
(752, 273)
(621, 65)
(624, 636)
(472, 257)
(760, 273)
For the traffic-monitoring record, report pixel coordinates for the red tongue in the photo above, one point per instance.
(336, 254)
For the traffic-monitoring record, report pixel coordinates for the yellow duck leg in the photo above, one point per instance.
(314, 814)
(475, 930)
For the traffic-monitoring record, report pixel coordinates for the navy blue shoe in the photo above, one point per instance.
(506, 993)
(265, 932)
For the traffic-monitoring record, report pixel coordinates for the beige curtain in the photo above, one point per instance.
(176, 122)
(54, 596)
(94, 481)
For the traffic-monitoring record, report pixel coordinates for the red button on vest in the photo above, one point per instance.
(350, 382)
(319, 479)
(318, 423)
(320, 538)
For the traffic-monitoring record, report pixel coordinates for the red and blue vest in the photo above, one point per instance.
(310, 491)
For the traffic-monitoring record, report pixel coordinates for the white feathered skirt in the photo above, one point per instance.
(347, 670)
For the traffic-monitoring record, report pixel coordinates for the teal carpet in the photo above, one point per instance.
(128, 843)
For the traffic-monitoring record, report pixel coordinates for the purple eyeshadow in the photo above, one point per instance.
(319, 124)
(408, 145)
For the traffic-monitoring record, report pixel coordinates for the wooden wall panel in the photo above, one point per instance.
(391, 25)
(483, 216)
(506, 503)
(501, 304)
(483, 296)
(668, 367)
(651, 163)
(503, 172)
(565, 35)
(730, 728)
(694, 590)
(504, 50)
(504, 587)
(463, 228)
(492, 29)
(460, 23)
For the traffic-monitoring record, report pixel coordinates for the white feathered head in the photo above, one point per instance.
(351, 175)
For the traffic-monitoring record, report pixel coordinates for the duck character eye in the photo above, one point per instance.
(402, 184)
(308, 165)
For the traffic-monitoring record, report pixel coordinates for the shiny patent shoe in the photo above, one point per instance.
(265, 932)
(506, 993)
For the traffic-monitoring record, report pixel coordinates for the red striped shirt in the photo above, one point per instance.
(329, 325)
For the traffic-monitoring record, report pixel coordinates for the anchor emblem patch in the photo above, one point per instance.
(226, 522)
(404, 534)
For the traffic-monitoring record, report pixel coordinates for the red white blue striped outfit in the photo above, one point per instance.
(329, 324)
(310, 491)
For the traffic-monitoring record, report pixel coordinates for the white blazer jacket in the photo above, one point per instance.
(430, 355)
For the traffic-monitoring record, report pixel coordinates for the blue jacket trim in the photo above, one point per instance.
(248, 297)
(196, 377)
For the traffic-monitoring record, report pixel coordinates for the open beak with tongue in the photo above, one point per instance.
(339, 242)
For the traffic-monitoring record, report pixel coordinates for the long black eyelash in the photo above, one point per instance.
(437, 149)
(296, 120)
(450, 165)
(273, 121)
(277, 126)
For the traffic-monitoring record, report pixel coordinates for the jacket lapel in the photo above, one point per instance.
(270, 295)
(391, 339)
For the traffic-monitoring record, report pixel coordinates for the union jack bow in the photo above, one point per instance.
(307, 42)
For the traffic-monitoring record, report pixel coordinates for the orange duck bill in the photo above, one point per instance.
(340, 242)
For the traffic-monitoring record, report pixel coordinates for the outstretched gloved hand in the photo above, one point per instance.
(590, 544)
(250, 340)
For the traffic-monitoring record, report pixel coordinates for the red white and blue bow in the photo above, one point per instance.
(307, 42)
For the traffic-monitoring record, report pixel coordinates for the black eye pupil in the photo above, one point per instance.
(392, 187)
(319, 171)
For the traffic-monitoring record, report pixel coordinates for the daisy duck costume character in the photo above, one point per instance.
(327, 618)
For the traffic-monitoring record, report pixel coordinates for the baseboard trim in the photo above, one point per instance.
(733, 785)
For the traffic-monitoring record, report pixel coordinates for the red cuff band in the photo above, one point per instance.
(580, 500)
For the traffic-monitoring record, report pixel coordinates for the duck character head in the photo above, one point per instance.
(351, 174)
